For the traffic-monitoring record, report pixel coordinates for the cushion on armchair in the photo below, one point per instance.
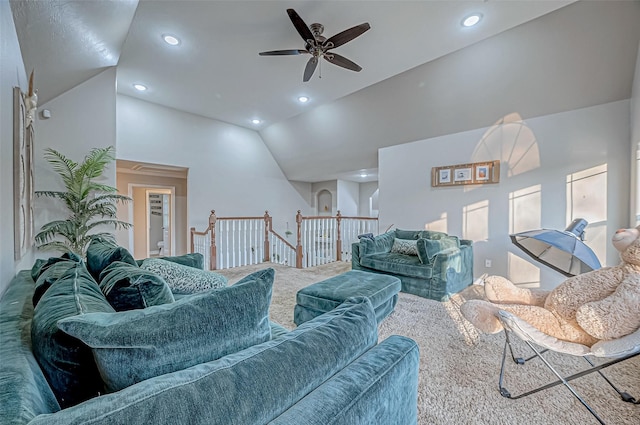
(406, 234)
(135, 345)
(381, 243)
(432, 234)
(429, 248)
(397, 264)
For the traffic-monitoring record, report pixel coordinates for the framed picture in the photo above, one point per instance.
(482, 173)
(444, 176)
(462, 174)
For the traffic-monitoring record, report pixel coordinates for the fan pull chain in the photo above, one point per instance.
(319, 70)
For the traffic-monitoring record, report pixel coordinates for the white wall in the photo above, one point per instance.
(348, 198)
(82, 118)
(12, 74)
(635, 146)
(330, 186)
(230, 168)
(537, 156)
(367, 191)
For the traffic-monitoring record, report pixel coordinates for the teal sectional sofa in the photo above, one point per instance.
(329, 370)
(429, 264)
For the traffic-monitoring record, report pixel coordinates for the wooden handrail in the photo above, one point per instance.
(283, 240)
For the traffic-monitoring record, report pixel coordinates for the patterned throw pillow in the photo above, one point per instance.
(184, 279)
(405, 246)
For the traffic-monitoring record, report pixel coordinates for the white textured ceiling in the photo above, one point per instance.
(216, 71)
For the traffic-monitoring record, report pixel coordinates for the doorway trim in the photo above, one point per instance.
(156, 191)
(170, 190)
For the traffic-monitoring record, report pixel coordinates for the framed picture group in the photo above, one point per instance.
(462, 174)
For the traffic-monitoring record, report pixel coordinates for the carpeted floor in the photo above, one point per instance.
(459, 367)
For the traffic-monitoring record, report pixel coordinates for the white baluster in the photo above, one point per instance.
(227, 244)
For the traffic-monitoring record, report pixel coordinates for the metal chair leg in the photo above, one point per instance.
(561, 380)
(623, 395)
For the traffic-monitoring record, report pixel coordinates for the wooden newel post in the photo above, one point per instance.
(298, 239)
(267, 227)
(338, 240)
(212, 232)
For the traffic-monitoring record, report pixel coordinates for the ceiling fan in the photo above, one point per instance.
(318, 46)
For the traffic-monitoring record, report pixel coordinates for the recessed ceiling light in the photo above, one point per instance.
(140, 87)
(303, 99)
(471, 20)
(363, 175)
(171, 39)
(256, 121)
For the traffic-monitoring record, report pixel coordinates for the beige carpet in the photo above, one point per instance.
(459, 367)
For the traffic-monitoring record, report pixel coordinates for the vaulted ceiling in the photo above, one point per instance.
(423, 75)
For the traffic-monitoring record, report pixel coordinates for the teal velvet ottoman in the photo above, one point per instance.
(321, 297)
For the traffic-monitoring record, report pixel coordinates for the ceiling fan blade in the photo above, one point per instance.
(310, 69)
(342, 61)
(283, 52)
(303, 29)
(346, 36)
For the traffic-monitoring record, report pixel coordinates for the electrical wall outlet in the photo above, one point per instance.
(487, 263)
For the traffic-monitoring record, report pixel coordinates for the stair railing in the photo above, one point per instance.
(239, 241)
(325, 239)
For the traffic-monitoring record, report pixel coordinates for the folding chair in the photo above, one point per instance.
(617, 351)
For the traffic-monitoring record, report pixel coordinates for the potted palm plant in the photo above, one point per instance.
(90, 204)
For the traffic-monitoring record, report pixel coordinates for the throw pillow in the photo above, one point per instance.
(184, 279)
(428, 248)
(407, 234)
(128, 287)
(102, 251)
(41, 265)
(135, 345)
(379, 244)
(44, 277)
(405, 246)
(441, 236)
(66, 362)
(431, 234)
(194, 259)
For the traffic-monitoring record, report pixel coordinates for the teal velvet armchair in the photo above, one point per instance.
(429, 264)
